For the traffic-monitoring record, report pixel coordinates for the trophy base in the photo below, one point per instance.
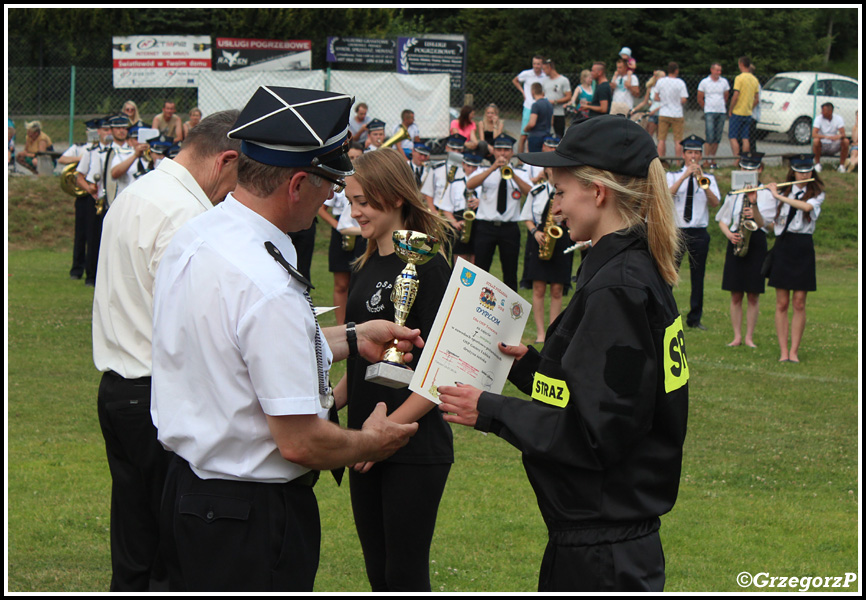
(389, 375)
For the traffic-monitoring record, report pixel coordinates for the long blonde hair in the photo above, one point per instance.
(645, 205)
(385, 177)
(656, 76)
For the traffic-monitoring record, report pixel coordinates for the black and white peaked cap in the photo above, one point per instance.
(293, 127)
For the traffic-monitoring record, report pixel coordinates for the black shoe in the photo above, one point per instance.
(90, 282)
(75, 276)
(699, 325)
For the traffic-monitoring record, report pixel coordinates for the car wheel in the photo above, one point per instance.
(801, 131)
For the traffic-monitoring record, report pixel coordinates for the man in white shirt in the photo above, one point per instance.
(523, 81)
(557, 90)
(434, 187)
(407, 121)
(240, 365)
(692, 202)
(713, 92)
(125, 155)
(828, 137)
(672, 93)
(626, 88)
(90, 174)
(136, 231)
(498, 215)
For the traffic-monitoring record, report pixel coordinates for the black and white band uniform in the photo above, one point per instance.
(558, 269)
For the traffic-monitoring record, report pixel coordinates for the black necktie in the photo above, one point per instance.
(687, 215)
(502, 202)
(793, 211)
(418, 174)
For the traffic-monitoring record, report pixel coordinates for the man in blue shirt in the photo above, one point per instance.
(540, 119)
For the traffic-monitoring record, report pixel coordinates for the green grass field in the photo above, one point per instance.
(770, 474)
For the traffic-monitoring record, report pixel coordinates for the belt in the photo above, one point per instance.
(308, 479)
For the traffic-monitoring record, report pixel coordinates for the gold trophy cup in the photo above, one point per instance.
(414, 248)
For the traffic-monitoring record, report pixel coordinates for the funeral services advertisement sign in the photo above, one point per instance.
(153, 61)
(235, 54)
(433, 55)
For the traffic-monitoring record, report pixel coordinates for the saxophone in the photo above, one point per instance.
(746, 227)
(552, 232)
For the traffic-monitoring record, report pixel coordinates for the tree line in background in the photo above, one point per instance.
(500, 40)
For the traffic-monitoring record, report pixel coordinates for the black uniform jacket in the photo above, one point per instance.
(603, 435)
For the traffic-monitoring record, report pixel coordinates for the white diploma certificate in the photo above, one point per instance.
(477, 312)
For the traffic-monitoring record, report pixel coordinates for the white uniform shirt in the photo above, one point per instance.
(92, 165)
(489, 197)
(829, 126)
(714, 94)
(436, 182)
(729, 213)
(422, 171)
(700, 212)
(135, 233)
(76, 151)
(799, 224)
(620, 93)
(122, 153)
(527, 78)
(233, 341)
(455, 198)
(536, 202)
(346, 221)
(671, 91)
(337, 203)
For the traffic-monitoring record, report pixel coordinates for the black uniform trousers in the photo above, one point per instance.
(138, 464)
(697, 241)
(94, 235)
(85, 211)
(220, 535)
(487, 236)
(584, 558)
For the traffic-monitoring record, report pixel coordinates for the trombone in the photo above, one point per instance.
(763, 187)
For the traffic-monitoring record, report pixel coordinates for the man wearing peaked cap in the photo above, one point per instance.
(240, 389)
(434, 186)
(375, 135)
(694, 192)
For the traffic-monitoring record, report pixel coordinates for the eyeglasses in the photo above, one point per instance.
(336, 185)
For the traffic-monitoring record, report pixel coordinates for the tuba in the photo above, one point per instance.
(746, 227)
(402, 134)
(69, 181)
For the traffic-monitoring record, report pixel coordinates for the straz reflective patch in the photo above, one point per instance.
(550, 390)
(676, 365)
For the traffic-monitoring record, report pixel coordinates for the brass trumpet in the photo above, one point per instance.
(703, 180)
(507, 172)
(402, 134)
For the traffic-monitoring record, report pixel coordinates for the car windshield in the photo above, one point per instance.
(786, 85)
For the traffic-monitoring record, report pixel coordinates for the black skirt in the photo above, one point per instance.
(794, 263)
(743, 274)
(556, 270)
(339, 260)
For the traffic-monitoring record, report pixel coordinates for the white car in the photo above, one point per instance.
(788, 102)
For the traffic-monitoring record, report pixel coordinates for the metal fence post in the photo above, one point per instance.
(71, 105)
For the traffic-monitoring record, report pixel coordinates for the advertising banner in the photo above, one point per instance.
(238, 54)
(432, 55)
(360, 51)
(152, 61)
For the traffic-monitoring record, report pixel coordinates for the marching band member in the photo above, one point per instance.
(434, 187)
(375, 135)
(91, 171)
(457, 200)
(498, 215)
(602, 438)
(691, 203)
(557, 269)
(793, 270)
(742, 274)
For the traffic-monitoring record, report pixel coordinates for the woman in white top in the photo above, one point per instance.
(793, 270)
(651, 120)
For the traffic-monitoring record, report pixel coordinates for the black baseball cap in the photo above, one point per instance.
(608, 142)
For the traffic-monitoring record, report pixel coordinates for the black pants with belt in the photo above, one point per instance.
(697, 242)
(85, 212)
(138, 463)
(222, 535)
(487, 236)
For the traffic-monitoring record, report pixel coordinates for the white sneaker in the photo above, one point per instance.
(818, 168)
(842, 169)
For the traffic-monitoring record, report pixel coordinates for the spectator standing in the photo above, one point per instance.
(359, 124)
(672, 94)
(540, 119)
(523, 81)
(713, 93)
(744, 99)
(626, 88)
(557, 90)
(583, 92)
(828, 137)
(490, 128)
(602, 95)
(651, 122)
(168, 122)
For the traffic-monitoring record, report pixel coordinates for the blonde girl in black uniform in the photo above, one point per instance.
(395, 502)
(602, 437)
(793, 271)
(742, 274)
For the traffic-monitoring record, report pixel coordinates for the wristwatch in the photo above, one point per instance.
(352, 339)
